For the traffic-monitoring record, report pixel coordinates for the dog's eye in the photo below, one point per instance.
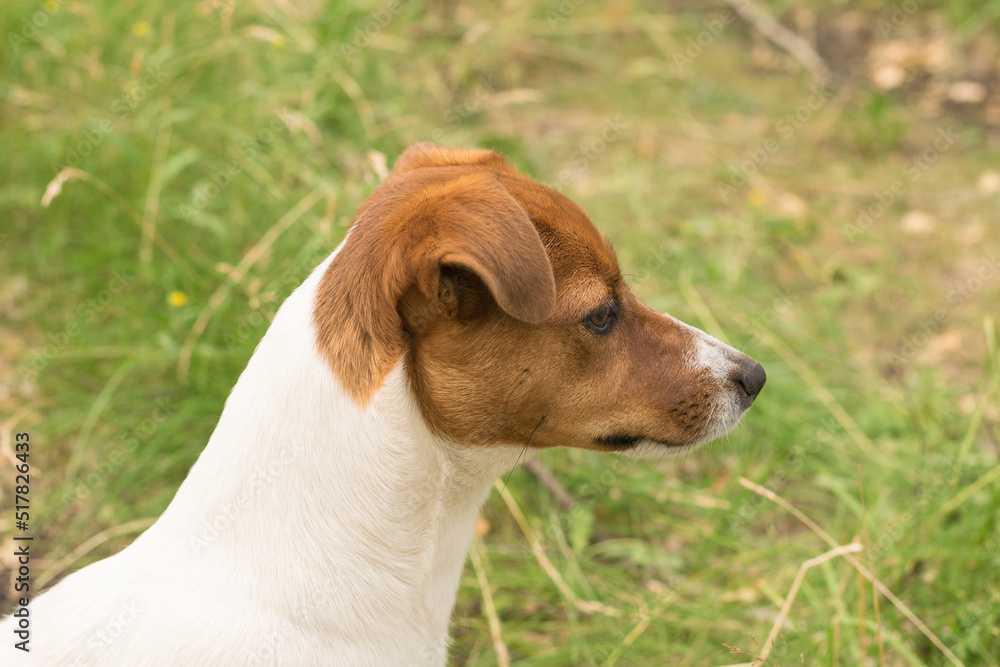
(600, 320)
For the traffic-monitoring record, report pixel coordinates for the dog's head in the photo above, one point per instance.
(508, 309)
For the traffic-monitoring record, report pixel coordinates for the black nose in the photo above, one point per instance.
(751, 378)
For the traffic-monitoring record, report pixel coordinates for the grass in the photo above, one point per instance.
(223, 148)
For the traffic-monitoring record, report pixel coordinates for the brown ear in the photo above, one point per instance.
(470, 221)
(426, 154)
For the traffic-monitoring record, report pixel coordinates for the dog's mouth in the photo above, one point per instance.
(622, 442)
(691, 436)
(706, 424)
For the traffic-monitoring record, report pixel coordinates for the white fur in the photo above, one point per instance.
(721, 361)
(714, 356)
(309, 532)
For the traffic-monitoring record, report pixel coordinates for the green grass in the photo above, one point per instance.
(690, 560)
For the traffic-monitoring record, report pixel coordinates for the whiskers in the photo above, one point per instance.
(519, 457)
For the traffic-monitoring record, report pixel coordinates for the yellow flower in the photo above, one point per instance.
(278, 41)
(141, 28)
(757, 197)
(51, 6)
(177, 299)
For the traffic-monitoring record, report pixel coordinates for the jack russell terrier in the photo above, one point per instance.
(468, 311)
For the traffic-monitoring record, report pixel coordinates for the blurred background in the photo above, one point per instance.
(816, 183)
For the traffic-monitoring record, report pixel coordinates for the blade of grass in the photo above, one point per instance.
(584, 606)
(871, 566)
(862, 635)
(973, 430)
(840, 550)
(489, 608)
(966, 493)
(990, 329)
(96, 409)
(699, 306)
(153, 194)
(633, 634)
(882, 588)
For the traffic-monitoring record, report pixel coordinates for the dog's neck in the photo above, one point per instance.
(362, 517)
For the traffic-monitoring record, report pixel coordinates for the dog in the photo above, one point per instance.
(469, 313)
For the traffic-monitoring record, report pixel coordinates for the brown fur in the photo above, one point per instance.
(480, 279)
